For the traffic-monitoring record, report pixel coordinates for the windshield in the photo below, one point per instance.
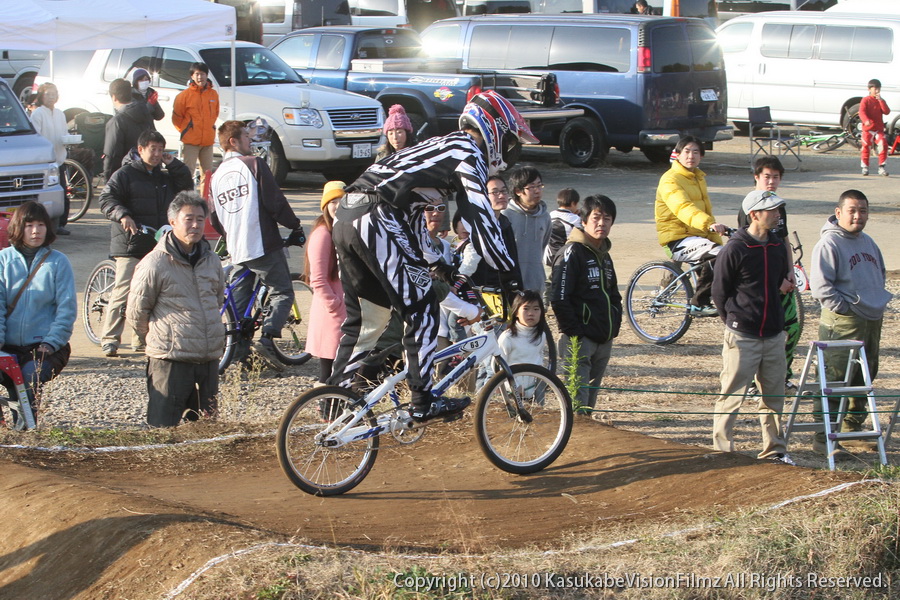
(13, 120)
(253, 66)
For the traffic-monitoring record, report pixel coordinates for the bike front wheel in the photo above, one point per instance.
(832, 143)
(290, 348)
(656, 302)
(96, 299)
(523, 438)
(304, 451)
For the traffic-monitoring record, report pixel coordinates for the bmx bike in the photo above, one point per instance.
(329, 437)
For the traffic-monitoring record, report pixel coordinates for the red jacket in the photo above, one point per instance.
(195, 113)
(871, 111)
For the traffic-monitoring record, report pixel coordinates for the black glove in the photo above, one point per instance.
(444, 272)
(297, 238)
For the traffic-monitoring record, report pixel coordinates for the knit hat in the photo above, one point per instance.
(397, 119)
(333, 190)
(139, 74)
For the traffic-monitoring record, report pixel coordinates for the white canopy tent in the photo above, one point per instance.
(98, 24)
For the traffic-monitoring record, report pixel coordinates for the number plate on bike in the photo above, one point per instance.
(362, 151)
(708, 95)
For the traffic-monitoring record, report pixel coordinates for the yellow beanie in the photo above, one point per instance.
(332, 191)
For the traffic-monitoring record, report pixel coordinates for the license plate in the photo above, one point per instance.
(362, 151)
(708, 95)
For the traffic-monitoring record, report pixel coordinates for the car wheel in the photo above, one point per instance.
(581, 143)
(277, 161)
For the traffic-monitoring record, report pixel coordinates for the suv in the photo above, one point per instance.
(315, 128)
(18, 68)
(643, 82)
(28, 170)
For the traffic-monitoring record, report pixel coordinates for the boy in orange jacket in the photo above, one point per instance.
(194, 115)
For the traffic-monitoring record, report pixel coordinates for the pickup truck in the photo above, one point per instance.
(387, 64)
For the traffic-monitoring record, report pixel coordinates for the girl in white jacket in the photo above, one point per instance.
(528, 338)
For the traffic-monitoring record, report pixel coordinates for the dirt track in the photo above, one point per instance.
(137, 524)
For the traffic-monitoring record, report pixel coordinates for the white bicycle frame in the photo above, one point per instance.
(481, 347)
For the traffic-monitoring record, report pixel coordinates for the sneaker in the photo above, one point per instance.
(703, 311)
(789, 385)
(882, 171)
(63, 231)
(865, 170)
(110, 350)
(139, 348)
(822, 448)
(441, 406)
(752, 391)
(783, 458)
(265, 347)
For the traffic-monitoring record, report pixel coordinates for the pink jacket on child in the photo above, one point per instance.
(328, 310)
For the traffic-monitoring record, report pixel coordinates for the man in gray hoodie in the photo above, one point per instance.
(848, 280)
(530, 221)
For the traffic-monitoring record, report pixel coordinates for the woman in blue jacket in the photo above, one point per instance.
(37, 299)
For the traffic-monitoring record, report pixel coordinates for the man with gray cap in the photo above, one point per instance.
(749, 273)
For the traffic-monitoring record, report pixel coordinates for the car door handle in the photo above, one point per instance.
(163, 98)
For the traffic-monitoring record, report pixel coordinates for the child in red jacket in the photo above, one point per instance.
(871, 112)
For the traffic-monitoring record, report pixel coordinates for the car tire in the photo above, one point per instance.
(853, 125)
(277, 161)
(581, 143)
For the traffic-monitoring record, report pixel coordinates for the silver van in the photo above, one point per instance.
(810, 68)
(28, 169)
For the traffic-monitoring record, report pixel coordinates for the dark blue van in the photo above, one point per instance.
(643, 82)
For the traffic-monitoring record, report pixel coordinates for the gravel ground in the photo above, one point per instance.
(112, 393)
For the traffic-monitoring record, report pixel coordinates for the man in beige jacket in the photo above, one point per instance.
(175, 298)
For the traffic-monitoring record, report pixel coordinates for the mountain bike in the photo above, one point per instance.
(290, 347)
(328, 438)
(824, 142)
(657, 300)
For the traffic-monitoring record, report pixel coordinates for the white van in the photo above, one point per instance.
(284, 16)
(810, 68)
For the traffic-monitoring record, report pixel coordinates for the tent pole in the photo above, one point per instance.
(233, 83)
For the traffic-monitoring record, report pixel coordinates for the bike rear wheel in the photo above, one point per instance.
(79, 188)
(312, 466)
(232, 334)
(290, 348)
(529, 438)
(96, 299)
(656, 302)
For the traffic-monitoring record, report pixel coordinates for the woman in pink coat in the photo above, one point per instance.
(327, 311)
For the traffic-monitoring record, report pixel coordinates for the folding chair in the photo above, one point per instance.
(776, 139)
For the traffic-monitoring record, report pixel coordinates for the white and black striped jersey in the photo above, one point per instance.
(452, 162)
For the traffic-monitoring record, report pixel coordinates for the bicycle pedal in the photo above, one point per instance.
(453, 417)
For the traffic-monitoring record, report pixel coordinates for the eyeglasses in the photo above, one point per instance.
(435, 208)
(534, 187)
(503, 192)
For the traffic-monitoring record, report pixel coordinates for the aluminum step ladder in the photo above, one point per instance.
(856, 359)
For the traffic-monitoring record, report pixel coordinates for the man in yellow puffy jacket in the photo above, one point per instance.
(194, 115)
(685, 224)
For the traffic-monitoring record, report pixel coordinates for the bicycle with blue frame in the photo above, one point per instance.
(290, 348)
(523, 419)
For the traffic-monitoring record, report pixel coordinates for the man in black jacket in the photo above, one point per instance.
(585, 297)
(132, 118)
(137, 195)
(749, 272)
